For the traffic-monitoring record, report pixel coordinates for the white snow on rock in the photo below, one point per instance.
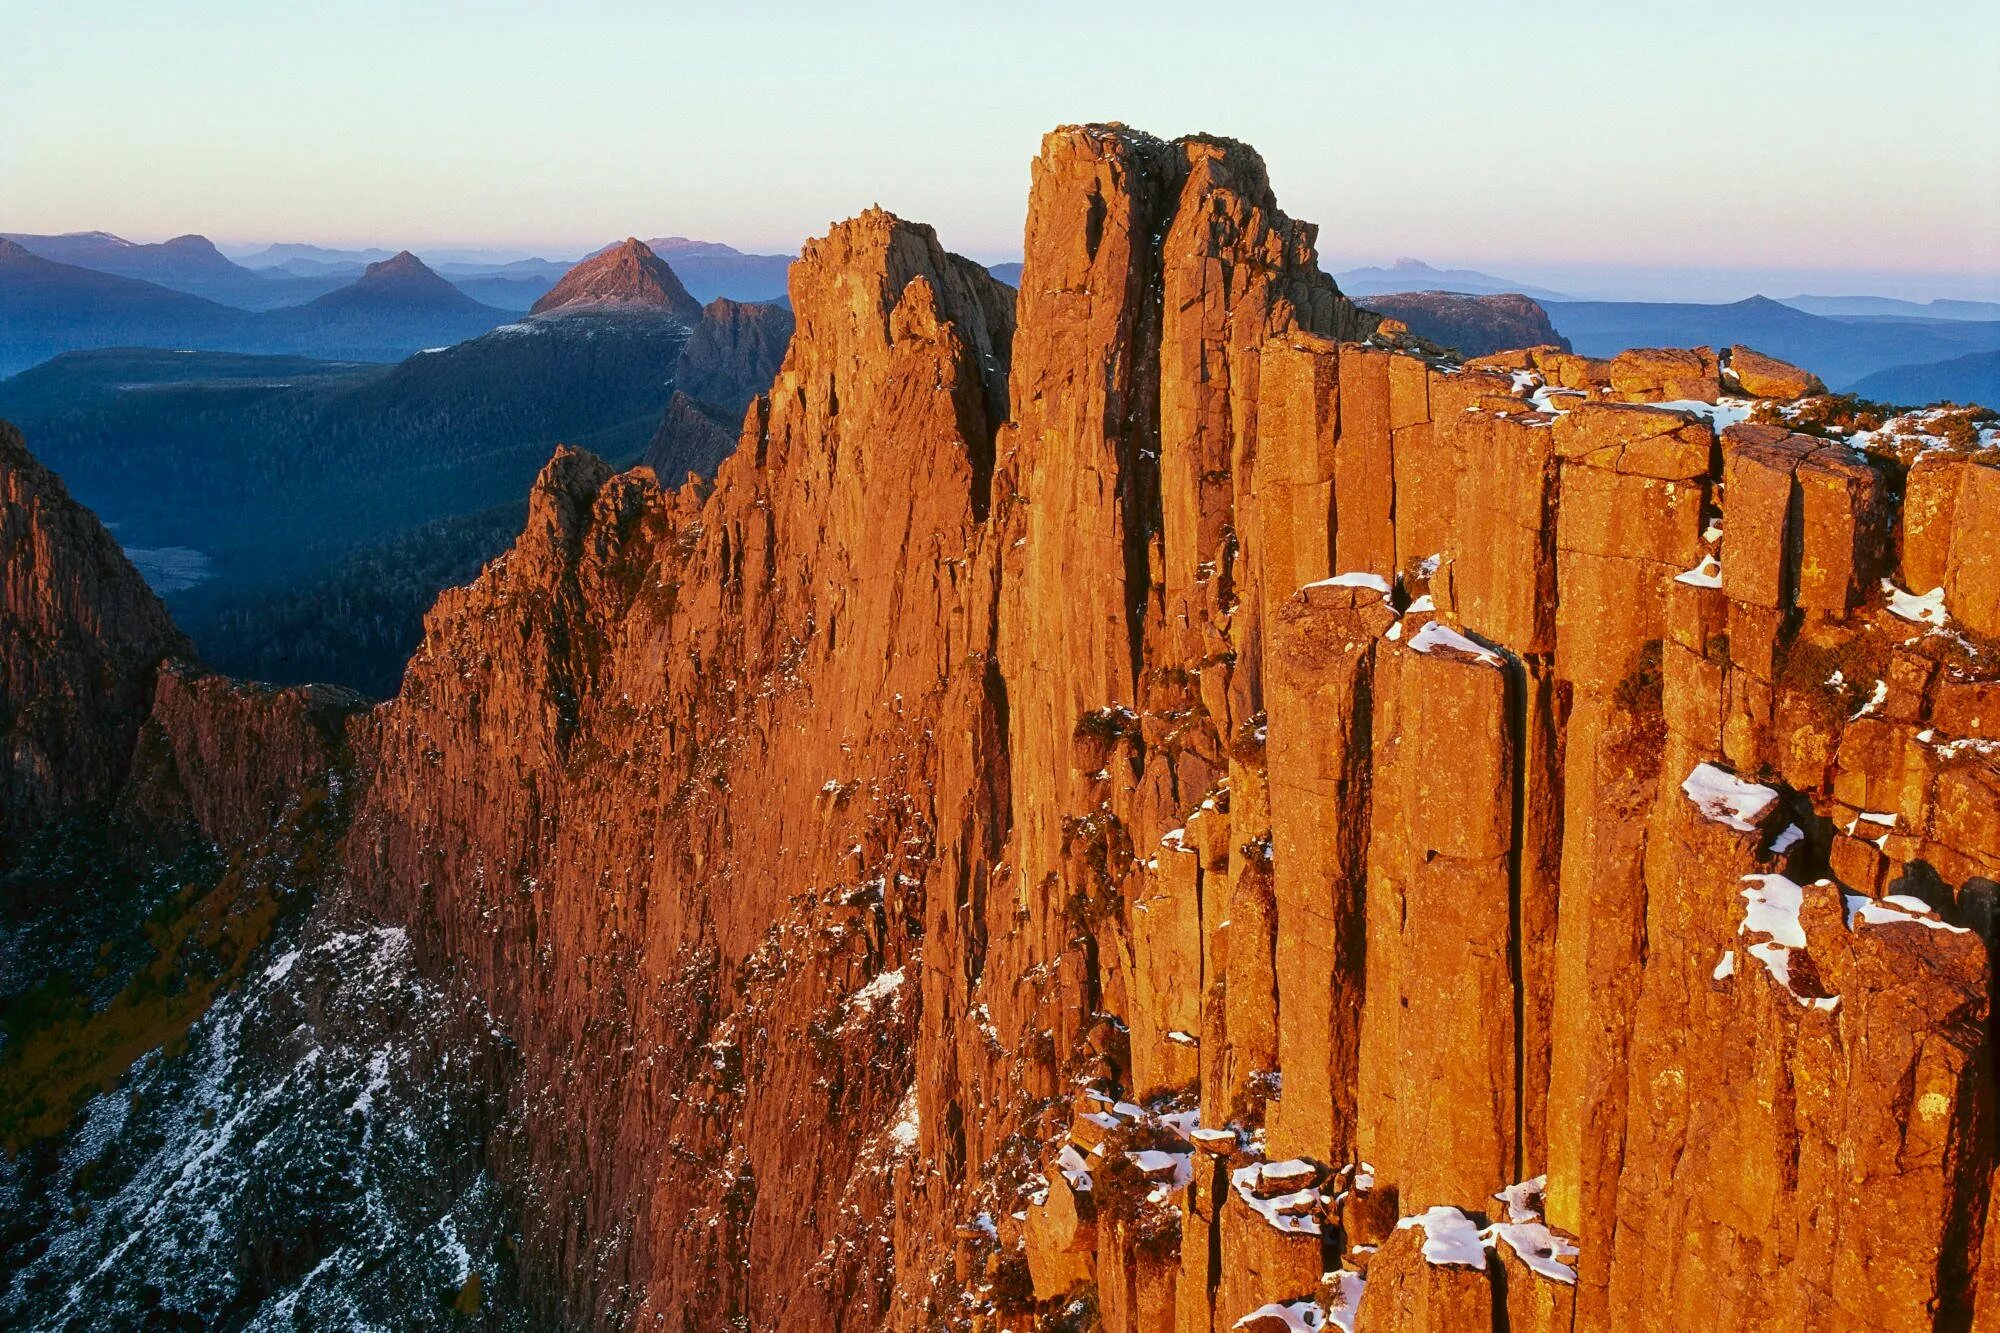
(1727, 799)
(1074, 1168)
(1725, 967)
(1449, 1237)
(1720, 415)
(1346, 1307)
(1297, 1316)
(1169, 1171)
(1353, 578)
(1773, 910)
(1520, 1198)
(879, 987)
(1538, 1247)
(1435, 635)
(1898, 909)
(1925, 610)
(1289, 1212)
(1707, 574)
(903, 1134)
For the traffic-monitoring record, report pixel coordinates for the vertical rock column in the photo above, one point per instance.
(1319, 689)
(1438, 1078)
(1075, 486)
(1633, 490)
(1499, 580)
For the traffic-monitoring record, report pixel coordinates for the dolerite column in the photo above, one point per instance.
(1321, 660)
(1634, 485)
(1437, 1106)
(1364, 502)
(1499, 582)
(1702, 840)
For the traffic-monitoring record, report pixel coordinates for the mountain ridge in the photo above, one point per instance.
(1150, 800)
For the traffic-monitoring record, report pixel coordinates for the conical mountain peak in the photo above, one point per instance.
(628, 275)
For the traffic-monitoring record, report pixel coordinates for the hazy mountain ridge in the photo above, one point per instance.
(1972, 378)
(47, 308)
(1414, 275)
(1840, 350)
(331, 500)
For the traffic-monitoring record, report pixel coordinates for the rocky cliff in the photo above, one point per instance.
(1157, 802)
(1472, 325)
(80, 637)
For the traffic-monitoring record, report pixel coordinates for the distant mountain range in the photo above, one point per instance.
(1886, 307)
(189, 264)
(184, 293)
(394, 308)
(1842, 351)
(1471, 325)
(92, 289)
(711, 269)
(1414, 275)
(1972, 378)
(321, 504)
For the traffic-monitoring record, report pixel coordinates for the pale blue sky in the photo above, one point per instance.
(1773, 141)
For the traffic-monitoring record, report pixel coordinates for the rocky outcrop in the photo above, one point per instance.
(626, 277)
(695, 894)
(1472, 325)
(1352, 765)
(727, 362)
(1163, 797)
(693, 438)
(733, 353)
(81, 636)
(234, 758)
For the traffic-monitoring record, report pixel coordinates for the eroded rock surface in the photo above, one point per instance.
(1159, 800)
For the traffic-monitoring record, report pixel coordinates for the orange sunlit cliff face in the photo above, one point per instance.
(1162, 799)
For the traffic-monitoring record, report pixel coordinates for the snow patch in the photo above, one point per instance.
(1354, 578)
(1707, 574)
(1925, 610)
(1726, 799)
(879, 987)
(1289, 1212)
(1346, 1307)
(1436, 635)
(1896, 909)
(1296, 1316)
(1538, 1247)
(1449, 1237)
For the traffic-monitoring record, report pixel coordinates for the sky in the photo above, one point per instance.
(1692, 150)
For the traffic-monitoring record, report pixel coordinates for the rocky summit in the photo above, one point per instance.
(1160, 802)
(627, 276)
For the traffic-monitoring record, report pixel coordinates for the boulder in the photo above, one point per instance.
(1762, 376)
(1665, 374)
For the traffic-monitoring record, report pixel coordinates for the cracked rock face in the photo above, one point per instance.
(1156, 797)
(80, 637)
